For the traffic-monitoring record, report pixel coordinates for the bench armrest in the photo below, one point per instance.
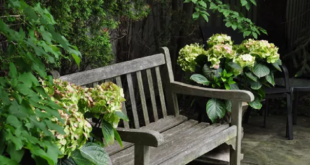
(141, 137)
(234, 95)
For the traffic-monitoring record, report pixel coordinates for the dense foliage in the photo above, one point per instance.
(233, 19)
(40, 121)
(26, 111)
(87, 24)
(250, 65)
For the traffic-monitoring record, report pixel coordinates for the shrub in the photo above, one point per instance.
(250, 65)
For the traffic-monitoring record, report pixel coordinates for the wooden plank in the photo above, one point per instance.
(142, 155)
(177, 144)
(119, 83)
(236, 120)
(95, 75)
(142, 97)
(161, 92)
(207, 144)
(161, 125)
(133, 101)
(172, 100)
(234, 95)
(126, 155)
(141, 137)
(185, 142)
(152, 93)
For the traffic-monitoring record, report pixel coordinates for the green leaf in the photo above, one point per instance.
(108, 132)
(270, 78)
(236, 68)
(277, 65)
(200, 79)
(77, 59)
(53, 126)
(70, 161)
(37, 151)
(94, 153)
(233, 86)
(7, 161)
(118, 138)
(216, 109)
(256, 104)
(261, 70)
(243, 2)
(4, 97)
(13, 71)
(121, 115)
(228, 105)
(205, 17)
(253, 2)
(246, 33)
(254, 35)
(15, 155)
(203, 4)
(256, 85)
(79, 159)
(196, 15)
(251, 76)
(12, 120)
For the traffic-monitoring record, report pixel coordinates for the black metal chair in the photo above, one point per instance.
(280, 91)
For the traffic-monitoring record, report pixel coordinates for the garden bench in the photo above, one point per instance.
(164, 136)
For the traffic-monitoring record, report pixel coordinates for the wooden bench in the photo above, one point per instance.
(164, 136)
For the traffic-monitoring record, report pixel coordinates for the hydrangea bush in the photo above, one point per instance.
(250, 65)
(102, 102)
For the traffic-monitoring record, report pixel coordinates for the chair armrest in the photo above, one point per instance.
(234, 95)
(141, 137)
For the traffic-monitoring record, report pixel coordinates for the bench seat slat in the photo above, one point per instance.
(161, 125)
(95, 75)
(180, 143)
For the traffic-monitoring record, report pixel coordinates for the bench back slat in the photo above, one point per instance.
(152, 93)
(142, 97)
(95, 75)
(161, 91)
(143, 86)
(133, 101)
(119, 83)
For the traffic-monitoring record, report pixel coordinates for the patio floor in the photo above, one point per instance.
(268, 146)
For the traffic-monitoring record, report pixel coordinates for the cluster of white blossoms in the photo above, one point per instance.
(188, 55)
(245, 60)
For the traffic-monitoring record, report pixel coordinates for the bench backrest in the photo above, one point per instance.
(131, 74)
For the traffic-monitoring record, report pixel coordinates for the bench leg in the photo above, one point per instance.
(142, 155)
(236, 119)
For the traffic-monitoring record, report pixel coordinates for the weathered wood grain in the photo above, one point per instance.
(141, 137)
(236, 120)
(168, 123)
(142, 155)
(204, 145)
(161, 92)
(234, 95)
(95, 75)
(142, 97)
(119, 83)
(133, 101)
(167, 72)
(152, 93)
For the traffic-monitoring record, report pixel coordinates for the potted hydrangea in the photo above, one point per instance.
(250, 65)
